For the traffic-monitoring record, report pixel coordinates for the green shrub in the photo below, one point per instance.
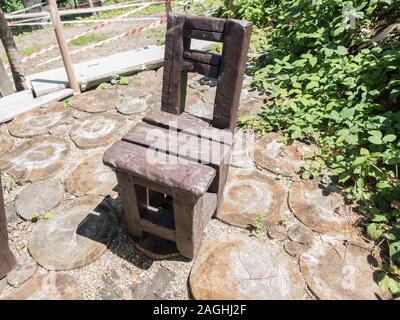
(329, 83)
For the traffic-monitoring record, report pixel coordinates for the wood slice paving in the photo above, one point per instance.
(38, 198)
(78, 239)
(244, 268)
(339, 272)
(40, 121)
(92, 177)
(5, 143)
(36, 159)
(271, 154)
(76, 236)
(132, 105)
(96, 101)
(52, 286)
(97, 130)
(246, 196)
(314, 205)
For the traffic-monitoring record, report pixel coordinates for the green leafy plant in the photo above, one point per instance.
(328, 83)
(45, 215)
(67, 103)
(259, 223)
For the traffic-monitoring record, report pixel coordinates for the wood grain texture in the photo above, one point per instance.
(187, 176)
(234, 54)
(7, 259)
(131, 204)
(173, 59)
(189, 124)
(183, 145)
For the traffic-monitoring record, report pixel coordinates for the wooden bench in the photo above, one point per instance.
(172, 167)
(7, 259)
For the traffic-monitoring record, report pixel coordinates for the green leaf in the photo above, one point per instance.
(383, 185)
(383, 282)
(389, 138)
(394, 251)
(123, 81)
(342, 51)
(343, 132)
(364, 151)
(374, 140)
(375, 231)
(313, 61)
(311, 85)
(352, 139)
(375, 133)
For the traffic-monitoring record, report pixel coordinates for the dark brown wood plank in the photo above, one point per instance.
(166, 170)
(189, 124)
(211, 58)
(190, 220)
(201, 68)
(183, 145)
(173, 60)
(203, 35)
(131, 204)
(205, 23)
(234, 54)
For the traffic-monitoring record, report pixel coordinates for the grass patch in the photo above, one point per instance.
(90, 38)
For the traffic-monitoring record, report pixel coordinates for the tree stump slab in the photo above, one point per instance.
(154, 102)
(39, 197)
(36, 159)
(276, 157)
(277, 233)
(132, 105)
(76, 236)
(92, 177)
(293, 248)
(97, 130)
(40, 121)
(242, 268)
(23, 271)
(339, 272)
(5, 143)
(52, 286)
(298, 232)
(137, 90)
(315, 206)
(247, 195)
(201, 110)
(155, 247)
(96, 101)
(209, 95)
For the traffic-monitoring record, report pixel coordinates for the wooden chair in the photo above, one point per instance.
(7, 259)
(175, 198)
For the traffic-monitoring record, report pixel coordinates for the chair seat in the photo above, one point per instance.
(173, 172)
(189, 124)
(181, 144)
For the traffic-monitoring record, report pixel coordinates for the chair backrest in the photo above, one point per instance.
(228, 67)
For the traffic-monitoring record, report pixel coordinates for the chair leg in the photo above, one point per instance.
(188, 225)
(133, 198)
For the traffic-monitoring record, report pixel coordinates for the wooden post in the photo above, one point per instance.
(6, 87)
(55, 17)
(168, 9)
(7, 259)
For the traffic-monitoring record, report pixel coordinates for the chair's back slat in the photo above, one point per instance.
(228, 68)
(234, 53)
